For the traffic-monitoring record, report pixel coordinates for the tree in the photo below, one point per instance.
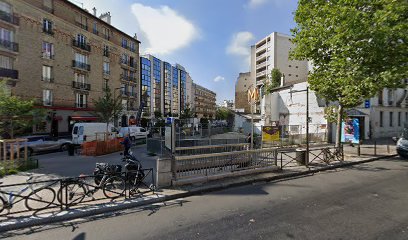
(16, 114)
(357, 48)
(275, 80)
(187, 113)
(157, 114)
(107, 107)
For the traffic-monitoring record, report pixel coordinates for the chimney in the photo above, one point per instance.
(282, 80)
(106, 17)
(94, 11)
(135, 37)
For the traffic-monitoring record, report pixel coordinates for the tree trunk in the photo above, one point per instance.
(338, 130)
(11, 129)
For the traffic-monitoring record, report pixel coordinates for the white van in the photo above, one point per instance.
(86, 132)
(134, 132)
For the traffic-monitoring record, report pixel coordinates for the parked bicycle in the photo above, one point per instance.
(37, 199)
(73, 191)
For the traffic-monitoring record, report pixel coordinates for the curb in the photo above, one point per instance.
(196, 191)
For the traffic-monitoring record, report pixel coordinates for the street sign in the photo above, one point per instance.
(367, 103)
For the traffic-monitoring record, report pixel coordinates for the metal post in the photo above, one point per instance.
(358, 149)
(252, 126)
(307, 125)
(375, 147)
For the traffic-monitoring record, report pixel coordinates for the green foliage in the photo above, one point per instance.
(331, 113)
(222, 113)
(357, 47)
(13, 167)
(107, 107)
(16, 114)
(157, 114)
(187, 113)
(274, 82)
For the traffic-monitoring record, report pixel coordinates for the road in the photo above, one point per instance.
(366, 201)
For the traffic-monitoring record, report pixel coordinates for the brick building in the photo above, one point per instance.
(63, 57)
(204, 101)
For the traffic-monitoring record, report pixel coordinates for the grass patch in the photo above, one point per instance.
(13, 167)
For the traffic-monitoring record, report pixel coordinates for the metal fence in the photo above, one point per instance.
(50, 196)
(228, 162)
(180, 151)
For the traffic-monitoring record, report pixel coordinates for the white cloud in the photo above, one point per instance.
(219, 78)
(240, 45)
(165, 30)
(256, 3)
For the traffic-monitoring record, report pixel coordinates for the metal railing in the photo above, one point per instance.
(9, 73)
(81, 45)
(218, 163)
(10, 18)
(12, 46)
(81, 65)
(48, 31)
(55, 195)
(82, 86)
(211, 149)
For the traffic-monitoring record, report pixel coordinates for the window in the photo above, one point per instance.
(399, 119)
(391, 118)
(95, 28)
(80, 78)
(47, 97)
(380, 98)
(125, 58)
(132, 46)
(47, 26)
(6, 35)
(106, 51)
(381, 119)
(390, 97)
(81, 100)
(106, 33)
(106, 68)
(5, 7)
(124, 42)
(105, 83)
(81, 39)
(47, 73)
(81, 58)
(48, 50)
(6, 62)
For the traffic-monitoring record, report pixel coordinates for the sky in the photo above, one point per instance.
(210, 38)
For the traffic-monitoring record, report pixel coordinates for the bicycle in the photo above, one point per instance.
(38, 199)
(74, 190)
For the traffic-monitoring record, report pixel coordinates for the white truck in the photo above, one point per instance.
(134, 132)
(86, 132)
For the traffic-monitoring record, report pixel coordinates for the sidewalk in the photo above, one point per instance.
(106, 206)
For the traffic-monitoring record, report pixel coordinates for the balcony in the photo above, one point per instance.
(81, 65)
(47, 55)
(106, 72)
(128, 63)
(262, 65)
(47, 102)
(262, 73)
(48, 31)
(81, 86)
(81, 25)
(81, 105)
(128, 78)
(10, 18)
(8, 73)
(12, 46)
(262, 56)
(48, 79)
(81, 45)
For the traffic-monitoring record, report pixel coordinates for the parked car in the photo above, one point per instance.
(36, 144)
(402, 144)
(86, 132)
(134, 132)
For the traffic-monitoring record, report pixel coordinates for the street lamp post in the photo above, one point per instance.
(307, 120)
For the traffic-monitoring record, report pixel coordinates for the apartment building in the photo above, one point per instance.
(244, 82)
(272, 52)
(63, 57)
(204, 101)
(165, 86)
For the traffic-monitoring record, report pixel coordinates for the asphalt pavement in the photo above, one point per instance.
(367, 201)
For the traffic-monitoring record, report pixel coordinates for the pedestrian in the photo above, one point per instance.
(127, 144)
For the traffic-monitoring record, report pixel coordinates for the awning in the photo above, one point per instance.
(84, 118)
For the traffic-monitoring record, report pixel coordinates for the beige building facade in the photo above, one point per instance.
(244, 82)
(204, 101)
(272, 52)
(63, 57)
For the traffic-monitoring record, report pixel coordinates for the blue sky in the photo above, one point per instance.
(210, 38)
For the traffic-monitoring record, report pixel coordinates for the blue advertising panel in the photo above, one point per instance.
(367, 103)
(350, 131)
